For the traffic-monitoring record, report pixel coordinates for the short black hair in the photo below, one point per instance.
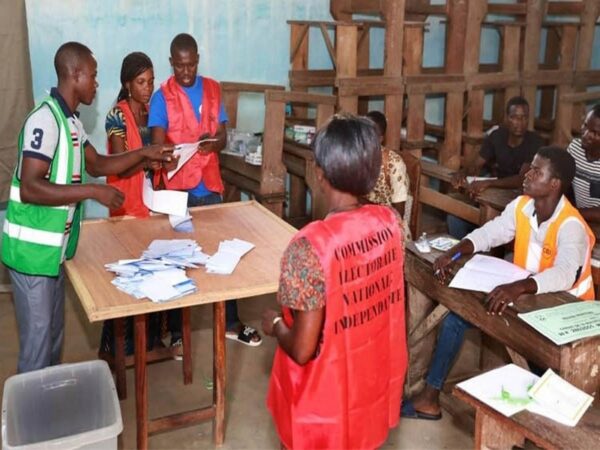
(516, 101)
(347, 149)
(595, 110)
(68, 57)
(562, 164)
(183, 42)
(133, 65)
(379, 118)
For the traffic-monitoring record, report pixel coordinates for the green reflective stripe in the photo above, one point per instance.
(45, 218)
(62, 167)
(33, 235)
(15, 196)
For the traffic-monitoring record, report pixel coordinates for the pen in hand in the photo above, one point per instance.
(454, 258)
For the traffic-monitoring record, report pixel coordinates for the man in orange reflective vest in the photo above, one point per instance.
(552, 241)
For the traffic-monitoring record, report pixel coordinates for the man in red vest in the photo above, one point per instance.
(188, 108)
(552, 241)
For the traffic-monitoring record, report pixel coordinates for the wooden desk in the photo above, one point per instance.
(104, 241)
(494, 430)
(577, 362)
(486, 206)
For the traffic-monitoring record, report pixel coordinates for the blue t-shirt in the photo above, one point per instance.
(157, 117)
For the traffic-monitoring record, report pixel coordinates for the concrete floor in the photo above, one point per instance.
(249, 425)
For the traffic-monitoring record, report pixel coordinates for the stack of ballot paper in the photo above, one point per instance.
(227, 257)
(511, 389)
(159, 274)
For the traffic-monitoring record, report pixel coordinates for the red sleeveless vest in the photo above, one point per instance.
(349, 395)
(185, 128)
(132, 186)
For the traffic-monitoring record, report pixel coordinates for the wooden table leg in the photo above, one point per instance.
(187, 344)
(141, 382)
(219, 371)
(119, 349)
(491, 434)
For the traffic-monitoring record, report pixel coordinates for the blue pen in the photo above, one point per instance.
(454, 258)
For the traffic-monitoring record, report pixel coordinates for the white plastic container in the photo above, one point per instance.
(71, 406)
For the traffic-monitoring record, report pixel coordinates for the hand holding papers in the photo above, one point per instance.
(185, 152)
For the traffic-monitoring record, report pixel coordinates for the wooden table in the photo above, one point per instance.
(577, 362)
(104, 241)
(494, 430)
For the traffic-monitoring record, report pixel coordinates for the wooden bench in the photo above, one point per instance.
(494, 430)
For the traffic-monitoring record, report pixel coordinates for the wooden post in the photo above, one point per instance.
(299, 34)
(413, 59)
(511, 43)
(393, 12)
(273, 178)
(219, 371)
(456, 10)
(346, 44)
(476, 12)
(141, 381)
(531, 50)
(562, 126)
(362, 62)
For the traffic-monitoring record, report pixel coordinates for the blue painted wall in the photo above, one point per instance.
(240, 40)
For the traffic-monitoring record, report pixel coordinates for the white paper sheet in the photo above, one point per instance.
(165, 202)
(483, 273)
(185, 152)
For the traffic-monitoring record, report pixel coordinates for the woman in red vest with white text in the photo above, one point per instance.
(127, 129)
(339, 367)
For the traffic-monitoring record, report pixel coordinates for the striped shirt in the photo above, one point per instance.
(585, 172)
(40, 139)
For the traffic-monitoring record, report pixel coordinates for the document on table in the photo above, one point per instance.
(185, 152)
(505, 389)
(228, 256)
(483, 273)
(566, 323)
(558, 399)
(166, 202)
(511, 389)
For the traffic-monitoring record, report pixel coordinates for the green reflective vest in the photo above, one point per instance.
(33, 235)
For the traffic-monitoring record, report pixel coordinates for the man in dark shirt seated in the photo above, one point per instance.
(505, 154)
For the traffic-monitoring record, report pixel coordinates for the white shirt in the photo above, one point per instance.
(572, 246)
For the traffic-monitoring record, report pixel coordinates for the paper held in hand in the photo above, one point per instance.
(185, 152)
(165, 202)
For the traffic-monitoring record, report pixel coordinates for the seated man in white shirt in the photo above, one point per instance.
(552, 241)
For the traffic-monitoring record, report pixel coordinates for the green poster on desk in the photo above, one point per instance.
(566, 323)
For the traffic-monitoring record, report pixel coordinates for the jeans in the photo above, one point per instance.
(457, 227)
(449, 342)
(174, 318)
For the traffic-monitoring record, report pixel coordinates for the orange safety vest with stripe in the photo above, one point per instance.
(584, 286)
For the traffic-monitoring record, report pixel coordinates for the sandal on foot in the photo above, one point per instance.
(247, 335)
(408, 411)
